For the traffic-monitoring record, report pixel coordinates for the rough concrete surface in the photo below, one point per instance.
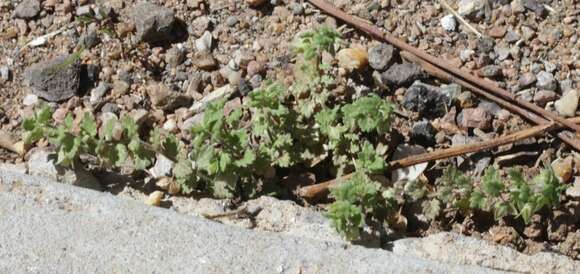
(49, 227)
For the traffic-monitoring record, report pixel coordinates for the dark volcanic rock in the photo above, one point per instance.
(425, 100)
(423, 133)
(402, 74)
(55, 80)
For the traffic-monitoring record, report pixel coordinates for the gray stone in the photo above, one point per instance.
(502, 53)
(402, 74)
(232, 21)
(111, 107)
(490, 71)
(453, 248)
(166, 99)
(568, 104)
(5, 73)
(448, 22)
(204, 43)
(55, 80)
(60, 229)
(381, 56)
(153, 23)
(89, 40)
(30, 100)
(527, 80)
(43, 163)
(426, 100)
(175, 56)
(98, 92)
(162, 167)
(546, 81)
(27, 9)
(512, 36)
(535, 6)
(297, 8)
(84, 10)
(423, 133)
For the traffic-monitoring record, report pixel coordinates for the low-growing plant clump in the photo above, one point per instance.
(238, 154)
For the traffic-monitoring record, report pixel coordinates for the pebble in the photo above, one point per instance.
(485, 45)
(175, 56)
(201, 24)
(466, 100)
(54, 80)
(154, 198)
(120, 88)
(27, 9)
(448, 23)
(110, 107)
(381, 56)
(563, 168)
(568, 104)
(352, 58)
(535, 6)
(402, 74)
(98, 92)
(254, 68)
(153, 23)
(497, 32)
(502, 53)
(469, 7)
(475, 118)
(512, 37)
(5, 73)
(297, 8)
(526, 80)
(204, 60)
(162, 97)
(465, 55)
(545, 80)
(490, 71)
(574, 190)
(425, 100)
(89, 39)
(204, 43)
(232, 21)
(30, 100)
(542, 97)
(423, 133)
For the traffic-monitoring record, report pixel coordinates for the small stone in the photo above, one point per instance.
(475, 118)
(166, 99)
(517, 6)
(568, 104)
(255, 3)
(425, 100)
(199, 25)
(535, 6)
(465, 55)
(527, 80)
(254, 68)
(485, 45)
(54, 80)
(502, 53)
(27, 9)
(233, 76)
(402, 74)
(256, 81)
(110, 107)
(546, 81)
(98, 92)
(30, 100)
(466, 100)
(204, 43)
(381, 56)
(154, 198)
(423, 133)
(352, 58)
(490, 71)
(574, 190)
(154, 23)
(89, 39)
(120, 88)
(297, 8)
(448, 23)
(232, 21)
(563, 168)
(542, 97)
(175, 56)
(497, 31)
(512, 37)
(469, 7)
(204, 60)
(162, 167)
(84, 10)
(5, 73)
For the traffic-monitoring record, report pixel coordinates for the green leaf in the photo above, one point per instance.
(491, 182)
(88, 125)
(247, 160)
(121, 155)
(368, 160)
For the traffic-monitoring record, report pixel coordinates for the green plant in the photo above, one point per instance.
(515, 196)
(355, 200)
